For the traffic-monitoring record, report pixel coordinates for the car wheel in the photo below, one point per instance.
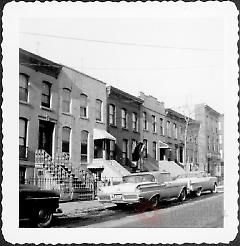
(154, 202)
(214, 190)
(198, 192)
(182, 196)
(43, 218)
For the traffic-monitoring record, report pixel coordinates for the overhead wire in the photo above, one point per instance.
(120, 42)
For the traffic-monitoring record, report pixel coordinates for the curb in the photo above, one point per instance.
(79, 212)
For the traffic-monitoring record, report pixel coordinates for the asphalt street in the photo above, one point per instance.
(203, 212)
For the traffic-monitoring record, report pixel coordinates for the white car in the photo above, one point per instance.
(197, 182)
(145, 187)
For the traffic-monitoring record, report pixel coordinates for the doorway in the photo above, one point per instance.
(45, 139)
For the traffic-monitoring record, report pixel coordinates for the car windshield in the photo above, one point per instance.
(138, 178)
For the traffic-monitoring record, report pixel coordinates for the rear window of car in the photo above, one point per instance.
(138, 178)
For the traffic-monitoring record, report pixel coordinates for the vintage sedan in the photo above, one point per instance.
(143, 188)
(37, 205)
(198, 182)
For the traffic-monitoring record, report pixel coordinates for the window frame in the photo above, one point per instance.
(145, 122)
(85, 155)
(145, 151)
(154, 149)
(99, 110)
(125, 153)
(134, 122)
(66, 101)
(23, 138)
(84, 106)
(124, 119)
(24, 90)
(154, 124)
(64, 142)
(112, 115)
(48, 104)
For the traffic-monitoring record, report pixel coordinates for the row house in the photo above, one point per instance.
(182, 138)
(152, 132)
(123, 122)
(62, 119)
(38, 109)
(208, 146)
(82, 118)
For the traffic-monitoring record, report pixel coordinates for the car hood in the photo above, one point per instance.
(125, 187)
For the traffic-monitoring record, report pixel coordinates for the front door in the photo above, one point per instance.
(45, 139)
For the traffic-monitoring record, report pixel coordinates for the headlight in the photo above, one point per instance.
(138, 188)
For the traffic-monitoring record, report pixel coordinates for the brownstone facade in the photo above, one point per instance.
(123, 122)
(38, 109)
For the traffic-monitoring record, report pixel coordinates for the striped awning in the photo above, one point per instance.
(163, 145)
(102, 134)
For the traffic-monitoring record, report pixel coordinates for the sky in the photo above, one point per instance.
(177, 60)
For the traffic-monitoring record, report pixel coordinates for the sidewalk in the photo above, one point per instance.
(76, 208)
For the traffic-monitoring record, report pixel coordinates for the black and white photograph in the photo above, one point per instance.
(120, 122)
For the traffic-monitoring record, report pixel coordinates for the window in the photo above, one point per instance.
(124, 151)
(175, 130)
(23, 87)
(168, 129)
(145, 150)
(98, 110)
(112, 149)
(66, 139)
(84, 146)
(112, 114)
(154, 150)
(161, 126)
(124, 118)
(153, 123)
(83, 105)
(22, 137)
(134, 122)
(66, 100)
(134, 144)
(46, 94)
(145, 121)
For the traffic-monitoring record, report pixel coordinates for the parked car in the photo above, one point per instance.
(198, 182)
(145, 187)
(37, 205)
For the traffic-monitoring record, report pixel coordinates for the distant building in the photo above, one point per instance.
(181, 130)
(38, 109)
(153, 132)
(221, 142)
(123, 122)
(208, 139)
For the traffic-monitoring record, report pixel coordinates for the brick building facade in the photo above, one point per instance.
(123, 122)
(152, 132)
(180, 132)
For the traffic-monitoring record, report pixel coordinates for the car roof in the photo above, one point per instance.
(154, 173)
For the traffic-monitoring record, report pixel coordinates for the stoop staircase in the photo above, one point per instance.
(58, 174)
(112, 171)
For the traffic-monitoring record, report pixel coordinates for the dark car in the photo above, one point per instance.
(37, 205)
